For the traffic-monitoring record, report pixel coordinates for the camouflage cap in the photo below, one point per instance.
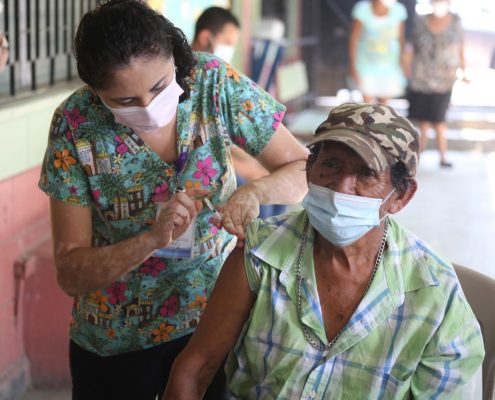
(375, 131)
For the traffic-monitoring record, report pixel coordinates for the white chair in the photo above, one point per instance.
(480, 293)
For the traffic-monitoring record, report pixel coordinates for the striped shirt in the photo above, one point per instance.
(412, 335)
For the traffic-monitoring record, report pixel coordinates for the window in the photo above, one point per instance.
(41, 35)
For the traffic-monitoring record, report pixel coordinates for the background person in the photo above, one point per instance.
(4, 46)
(129, 157)
(376, 47)
(338, 301)
(217, 32)
(437, 54)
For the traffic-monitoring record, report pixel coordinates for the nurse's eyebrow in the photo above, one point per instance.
(155, 86)
(159, 83)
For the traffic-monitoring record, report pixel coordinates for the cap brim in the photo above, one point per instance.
(367, 148)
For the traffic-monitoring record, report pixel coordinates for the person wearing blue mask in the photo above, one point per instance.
(338, 301)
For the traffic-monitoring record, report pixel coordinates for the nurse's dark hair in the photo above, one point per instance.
(399, 175)
(117, 31)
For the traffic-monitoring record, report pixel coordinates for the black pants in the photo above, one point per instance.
(138, 375)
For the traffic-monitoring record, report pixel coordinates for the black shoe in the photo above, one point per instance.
(446, 164)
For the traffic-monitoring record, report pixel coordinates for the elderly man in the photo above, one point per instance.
(338, 301)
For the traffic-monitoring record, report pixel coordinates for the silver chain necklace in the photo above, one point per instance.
(299, 279)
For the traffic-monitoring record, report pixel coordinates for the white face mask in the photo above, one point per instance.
(388, 3)
(158, 113)
(440, 8)
(225, 52)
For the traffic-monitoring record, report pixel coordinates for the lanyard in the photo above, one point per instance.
(180, 165)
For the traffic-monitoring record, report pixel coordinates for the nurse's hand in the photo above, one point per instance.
(175, 216)
(241, 208)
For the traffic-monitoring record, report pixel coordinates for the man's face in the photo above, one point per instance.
(339, 168)
(228, 36)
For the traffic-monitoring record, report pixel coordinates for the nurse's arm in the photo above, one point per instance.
(227, 311)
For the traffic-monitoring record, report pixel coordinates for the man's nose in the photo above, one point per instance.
(346, 183)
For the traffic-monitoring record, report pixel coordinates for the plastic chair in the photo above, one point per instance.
(480, 293)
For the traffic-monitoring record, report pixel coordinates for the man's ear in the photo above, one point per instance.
(205, 40)
(400, 201)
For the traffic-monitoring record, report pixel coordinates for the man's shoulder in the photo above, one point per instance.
(275, 234)
(410, 242)
(417, 258)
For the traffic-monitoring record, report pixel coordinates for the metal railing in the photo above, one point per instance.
(41, 36)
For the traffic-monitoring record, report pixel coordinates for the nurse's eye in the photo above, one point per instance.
(158, 89)
(125, 102)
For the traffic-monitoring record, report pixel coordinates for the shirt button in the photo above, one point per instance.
(312, 394)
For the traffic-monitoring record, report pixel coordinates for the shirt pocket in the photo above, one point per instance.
(377, 383)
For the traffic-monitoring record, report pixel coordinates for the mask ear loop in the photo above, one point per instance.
(384, 201)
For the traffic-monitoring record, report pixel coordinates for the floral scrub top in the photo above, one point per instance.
(92, 161)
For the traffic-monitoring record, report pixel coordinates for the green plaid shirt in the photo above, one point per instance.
(412, 336)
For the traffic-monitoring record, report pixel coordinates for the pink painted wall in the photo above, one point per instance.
(28, 286)
(46, 311)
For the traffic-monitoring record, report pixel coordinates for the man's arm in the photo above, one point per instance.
(227, 311)
(453, 355)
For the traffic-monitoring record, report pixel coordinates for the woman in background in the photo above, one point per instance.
(376, 47)
(438, 52)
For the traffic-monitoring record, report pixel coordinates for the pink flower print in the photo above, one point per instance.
(96, 196)
(153, 266)
(160, 193)
(74, 118)
(170, 306)
(68, 135)
(277, 116)
(240, 141)
(214, 63)
(117, 292)
(73, 190)
(122, 147)
(213, 228)
(205, 172)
